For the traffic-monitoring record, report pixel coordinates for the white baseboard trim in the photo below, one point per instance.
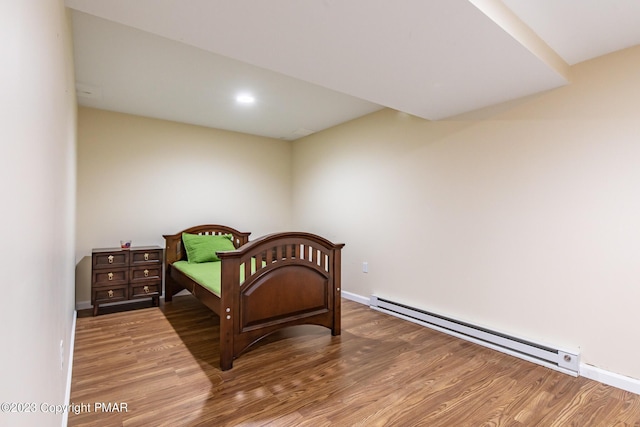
(610, 378)
(67, 393)
(83, 305)
(588, 371)
(355, 297)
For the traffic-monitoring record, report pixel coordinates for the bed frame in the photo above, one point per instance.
(299, 284)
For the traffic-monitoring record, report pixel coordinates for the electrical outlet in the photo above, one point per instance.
(365, 267)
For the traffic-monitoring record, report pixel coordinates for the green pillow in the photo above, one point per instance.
(203, 248)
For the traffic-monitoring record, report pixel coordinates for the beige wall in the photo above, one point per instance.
(140, 178)
(523, 218)
(37, 165)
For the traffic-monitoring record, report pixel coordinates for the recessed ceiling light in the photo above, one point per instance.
(245, 99)
(303, 132)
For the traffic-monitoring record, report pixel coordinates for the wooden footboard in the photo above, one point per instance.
(276, 281)
(293, 280)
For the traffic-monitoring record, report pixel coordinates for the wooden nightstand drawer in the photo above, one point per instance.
(112, 259)
(111, 277)
(149, 272)
(143, 290)
(151, 256)
(111, 294)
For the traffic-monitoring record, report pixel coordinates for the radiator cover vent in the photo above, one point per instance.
(567, 361)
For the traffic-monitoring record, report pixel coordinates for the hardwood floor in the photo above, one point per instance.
(162, 363)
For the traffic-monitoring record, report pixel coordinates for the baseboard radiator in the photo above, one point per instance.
(562, 360)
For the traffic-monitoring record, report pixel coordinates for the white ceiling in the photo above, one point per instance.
(316, 63)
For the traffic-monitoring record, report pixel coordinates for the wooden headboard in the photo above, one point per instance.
(174, 250)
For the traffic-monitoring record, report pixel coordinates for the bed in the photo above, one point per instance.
(275, 281)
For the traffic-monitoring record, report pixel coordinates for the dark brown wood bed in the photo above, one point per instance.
(295, 280)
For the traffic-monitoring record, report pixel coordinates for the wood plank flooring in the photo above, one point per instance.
(382, 371)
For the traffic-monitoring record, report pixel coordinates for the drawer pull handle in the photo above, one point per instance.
(146, 256)
(146, 289)
(110, 275)
(110, 293)
(146, 273)
(110, 258)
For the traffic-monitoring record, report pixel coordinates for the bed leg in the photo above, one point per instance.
(225, 365)
(337, 318)
(337, 294)
(226, 353)
(226, 344)
(168, 289)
